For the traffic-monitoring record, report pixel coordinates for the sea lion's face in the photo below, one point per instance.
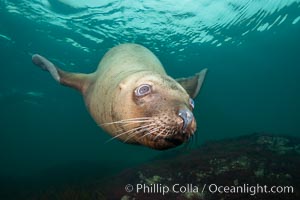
(159, 114)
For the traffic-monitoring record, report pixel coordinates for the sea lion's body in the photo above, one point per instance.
(131, 97)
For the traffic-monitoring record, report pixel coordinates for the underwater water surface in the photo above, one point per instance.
(250, 47)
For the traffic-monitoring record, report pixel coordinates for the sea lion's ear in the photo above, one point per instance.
(75, 80)
(193, 84)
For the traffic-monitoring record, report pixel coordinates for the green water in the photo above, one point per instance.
(251, 48)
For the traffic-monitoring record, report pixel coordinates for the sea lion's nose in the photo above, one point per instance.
(187, 117)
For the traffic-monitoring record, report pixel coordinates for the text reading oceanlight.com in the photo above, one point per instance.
(211, 188)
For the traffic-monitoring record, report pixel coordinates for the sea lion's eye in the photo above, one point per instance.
(192, 103)
(142, 90)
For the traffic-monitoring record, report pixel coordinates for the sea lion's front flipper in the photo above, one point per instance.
(193, 84)
(75, 80)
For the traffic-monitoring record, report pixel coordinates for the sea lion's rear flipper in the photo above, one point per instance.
(193, 84)
(75, 80)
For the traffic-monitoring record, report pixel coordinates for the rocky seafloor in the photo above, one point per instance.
(246, 167)
(240, 168)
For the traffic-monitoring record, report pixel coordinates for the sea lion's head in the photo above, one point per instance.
(153, 110)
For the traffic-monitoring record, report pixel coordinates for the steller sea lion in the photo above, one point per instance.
(133, 99)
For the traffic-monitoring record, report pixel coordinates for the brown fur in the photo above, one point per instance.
(110, 98)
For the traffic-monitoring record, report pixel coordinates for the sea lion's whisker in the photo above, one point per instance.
(129, 131)
(132, 120)
(137, 128)
(189, 143)
(135, 118)
(150, 132)
(168, 131)
(139, 131)
(126, 122)
(134, 134)
(120, 130)
(157, 135)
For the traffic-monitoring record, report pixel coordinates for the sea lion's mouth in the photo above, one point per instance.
(167, 136)
(168, 141)
(155, 132)
(174, 141)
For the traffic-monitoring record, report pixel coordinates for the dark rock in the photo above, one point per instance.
(249, 166)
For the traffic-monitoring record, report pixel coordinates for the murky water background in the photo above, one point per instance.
(251, 49)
